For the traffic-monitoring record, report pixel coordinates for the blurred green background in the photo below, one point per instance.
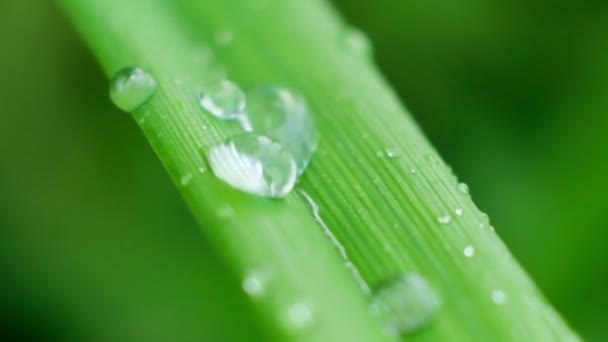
(96, 244)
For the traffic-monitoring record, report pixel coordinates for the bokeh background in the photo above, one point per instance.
(96, 244)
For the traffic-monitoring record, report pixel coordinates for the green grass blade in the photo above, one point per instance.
(383, 209)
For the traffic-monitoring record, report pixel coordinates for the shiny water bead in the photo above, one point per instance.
(254, 164)
(223, 99)
(405, 304)
(284, 116)
(132, 87)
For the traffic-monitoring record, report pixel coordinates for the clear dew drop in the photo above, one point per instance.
(463, 188)
(299, 316)
(444, 219)
(254, 164)
(499, 296)
(223, 99)
(405, 304)
(130, 88)
(459, 211)
(284, 116)
(357, 42)
(469, 251)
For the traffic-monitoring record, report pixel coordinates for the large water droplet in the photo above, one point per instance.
(223, 99)
(405, 304)
(282, 115)
(357, 42)
(132, 87)
(255, 164)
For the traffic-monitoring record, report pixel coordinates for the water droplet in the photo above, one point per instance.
(392, 152)
(186, 178)
(299, 316)
(405, 304)
(463, 188)
(132, 87)
(223, 99)
(469, 251)
(284, 116)
(499, 296)
(445, 219)
(254, 164)
(224, 37)
(356, 41)
(255, 282)
(458, 211)
(201, 169)
(413, 171)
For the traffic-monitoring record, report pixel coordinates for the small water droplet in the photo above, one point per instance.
(458, 211)
(224, 37)
(223, 99)
(392, 152)
(284, 116)
(405, 304)
(299, 316)
(469, 251)
(254, 164)
(499, 296)
(445, 219)
(201, 169)
(186, 178)
(463, 188)
(356, 41)
(413, 171)
(130, 88)
(255, 282)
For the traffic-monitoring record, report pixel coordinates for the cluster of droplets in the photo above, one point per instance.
(277, 140)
